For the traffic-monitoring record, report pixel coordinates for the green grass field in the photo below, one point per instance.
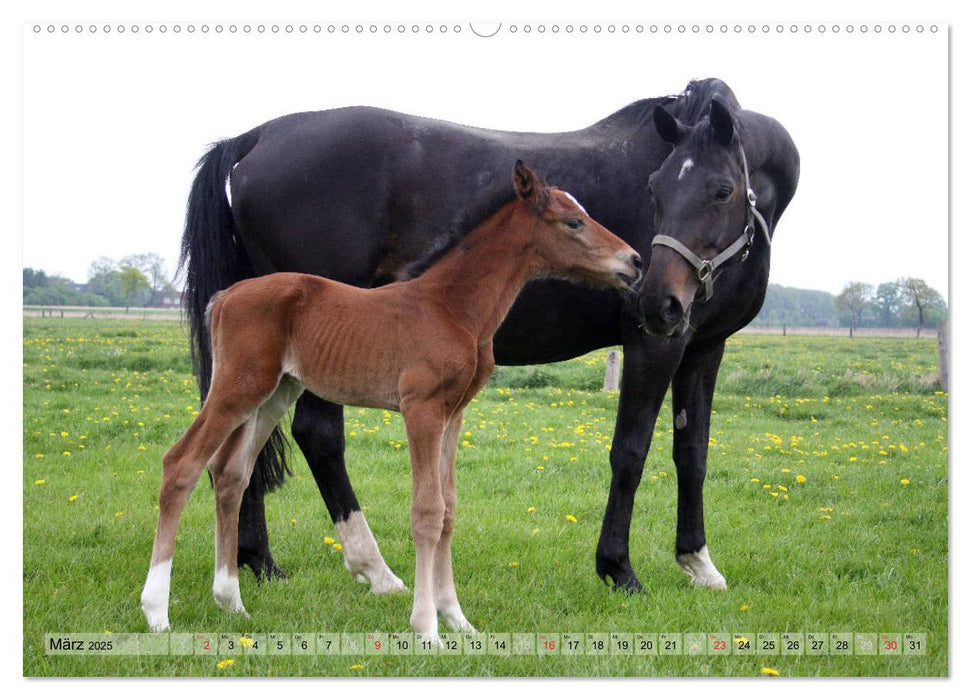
(826, 511)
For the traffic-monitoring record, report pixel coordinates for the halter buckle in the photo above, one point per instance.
(705, 270)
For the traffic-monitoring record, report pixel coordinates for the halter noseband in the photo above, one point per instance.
(708, 269)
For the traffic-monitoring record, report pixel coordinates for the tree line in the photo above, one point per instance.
(135, 280)
(908, 302)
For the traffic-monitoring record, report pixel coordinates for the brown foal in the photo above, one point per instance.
(422, 347)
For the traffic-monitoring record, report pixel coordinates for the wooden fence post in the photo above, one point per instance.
(942, 353)
(612, 374)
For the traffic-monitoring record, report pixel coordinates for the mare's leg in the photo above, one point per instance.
(231, 469)
(253, 547)
(318, 427)
(181, 468)
(692, 390)
(646, 373)
(446, 600)
(425, 425)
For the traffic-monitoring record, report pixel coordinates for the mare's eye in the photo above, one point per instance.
(574, 223)
(723, 193)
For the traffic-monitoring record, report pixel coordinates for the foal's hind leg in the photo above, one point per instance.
(231, 470)
(181, 468)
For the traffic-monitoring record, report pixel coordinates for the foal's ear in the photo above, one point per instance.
(530, 187)
(722, 122)
(668, 126)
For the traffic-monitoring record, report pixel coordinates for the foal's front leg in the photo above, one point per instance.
(425, 425)
(446, 600)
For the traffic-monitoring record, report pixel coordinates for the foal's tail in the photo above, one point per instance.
(214, 258)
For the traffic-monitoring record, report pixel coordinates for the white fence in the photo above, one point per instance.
(139, 313)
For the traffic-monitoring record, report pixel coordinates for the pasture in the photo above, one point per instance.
(826, 498)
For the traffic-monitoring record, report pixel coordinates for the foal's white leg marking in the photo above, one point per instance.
(155, 596)
(686, 167)
(225, 590)
(362, 556)
(574, 200)
(701, 570)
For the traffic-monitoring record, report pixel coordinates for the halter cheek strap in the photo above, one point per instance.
(707, 270)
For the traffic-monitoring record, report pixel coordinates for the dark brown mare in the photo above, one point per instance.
(422, 347)
(359, 194)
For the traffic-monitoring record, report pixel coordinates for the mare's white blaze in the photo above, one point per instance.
(686, 167)
(701, 570)
(155, 596)
(225, 589)
(362, 556)
(574, 200)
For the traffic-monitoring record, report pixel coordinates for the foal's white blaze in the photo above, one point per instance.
(155, 596)
(701, 570)
(574, 200)
(362, 556)
(686, 167)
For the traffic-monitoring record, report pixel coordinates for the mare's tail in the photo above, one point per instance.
(214, 258)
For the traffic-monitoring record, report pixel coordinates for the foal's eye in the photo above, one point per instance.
(574, 223)
(723, 193)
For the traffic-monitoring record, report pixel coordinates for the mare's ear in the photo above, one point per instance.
(530, 187)
(722, 122)
(668, 127)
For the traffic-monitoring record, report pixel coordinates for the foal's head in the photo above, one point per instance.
(571, 245)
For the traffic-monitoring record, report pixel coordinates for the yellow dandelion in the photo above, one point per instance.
(766, 671)
(741, 640)
(905, 481)
(540, 468)
(800, 479)
(64, 433)
(39, 455)
(782, 488)
(328, 540)
(66, 453)
(246, 641)
(337, 546)
(535, 531)
(785, 471)
(531, 509)
(743, 607)
(357, 667)
(72, 499)
(293, 521)
(40, 482)
(225, 663)
(142, 448)
(571, 518)
(825, 517)
(119, 513)
(774, 494)
(754, 480)
(514, 564)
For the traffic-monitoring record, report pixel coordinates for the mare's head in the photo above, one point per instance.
(703, 218)
(569, 243)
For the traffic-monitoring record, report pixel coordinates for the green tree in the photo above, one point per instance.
(152, 265)
(854, 299)
(922, 298)
(132, 281)
(886, 303)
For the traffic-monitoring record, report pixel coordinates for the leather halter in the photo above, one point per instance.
(707, 269)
